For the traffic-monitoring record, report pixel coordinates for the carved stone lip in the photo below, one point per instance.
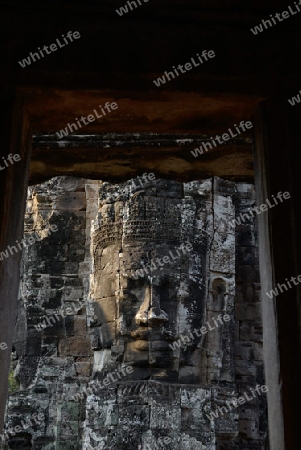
(152, 335)
(139, 333)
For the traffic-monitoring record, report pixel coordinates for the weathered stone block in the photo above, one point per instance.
(134, 415)
(249, 429)
(83, 368)
(245, 368)
(75, 346)
(247, 272)
(247, 255)
(75, 201)
(105, 310)
(76, 325)
(248, 311)
(165, 417)
(92, 190)
(251, 332)
(247, 292)
(245, 351)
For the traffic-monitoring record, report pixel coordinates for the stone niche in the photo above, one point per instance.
(108, 343)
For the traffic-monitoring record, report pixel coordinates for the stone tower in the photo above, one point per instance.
(139, 323)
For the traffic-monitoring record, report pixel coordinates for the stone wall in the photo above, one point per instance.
(70, 337)
(249, 331)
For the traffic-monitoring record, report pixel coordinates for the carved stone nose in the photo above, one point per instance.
(141, 317)
(152, 316)
(150, 313)
(156, 316)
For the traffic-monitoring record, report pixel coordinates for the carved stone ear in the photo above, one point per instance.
(218, 291)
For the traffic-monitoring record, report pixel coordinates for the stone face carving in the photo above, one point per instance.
(149, 282)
